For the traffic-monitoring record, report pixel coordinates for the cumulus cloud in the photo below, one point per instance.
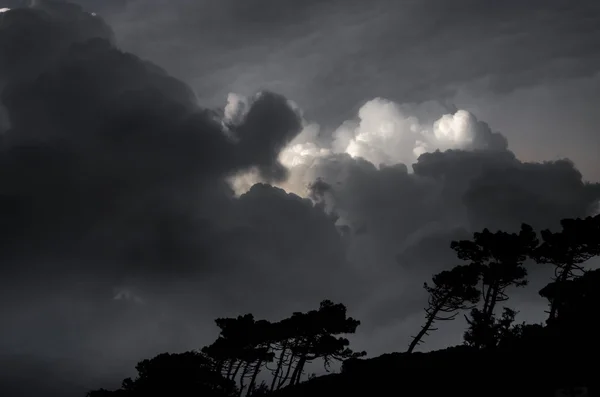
(384, 133)
(388, 133)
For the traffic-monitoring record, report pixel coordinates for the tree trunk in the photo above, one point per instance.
(254, 375)
(219, 366)
(424, 329)
(430, 320)
(486, 300)
(230, 368)
(297, 370)
(279, 365)
(244, 372)
(488, 315)
(494, 299)
(287, 373)
(237, 369)
(560, 281)
(301, 371)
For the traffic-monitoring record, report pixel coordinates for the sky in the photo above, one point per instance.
(164, 163)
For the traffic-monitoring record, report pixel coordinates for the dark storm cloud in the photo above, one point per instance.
(502, 197)
(287, 250)
(112, 176)
(117, 221)
(32, 38)
(99, 129)
(449, 192)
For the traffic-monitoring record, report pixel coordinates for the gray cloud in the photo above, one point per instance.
(330, 56)
(121, 237)
(387, 38)
(112, 181)
(32, 38)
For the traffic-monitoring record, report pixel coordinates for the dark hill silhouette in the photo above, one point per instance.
(499, 358)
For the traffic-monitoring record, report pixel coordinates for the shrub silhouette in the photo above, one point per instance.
(184, 374)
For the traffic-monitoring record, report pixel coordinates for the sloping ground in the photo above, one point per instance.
(458, 371)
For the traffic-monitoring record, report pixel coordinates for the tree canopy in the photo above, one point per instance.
(232, 363)
(257, 357)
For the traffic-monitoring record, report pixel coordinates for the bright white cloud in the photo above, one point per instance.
(384, 133)
(387, 133)
(4, 10)
(455, 129)
(236, 108)
(304, 148)
(243, 181)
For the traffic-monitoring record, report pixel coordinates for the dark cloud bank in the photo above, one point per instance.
(121, 237)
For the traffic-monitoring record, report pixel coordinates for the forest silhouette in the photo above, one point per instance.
(498, 357)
